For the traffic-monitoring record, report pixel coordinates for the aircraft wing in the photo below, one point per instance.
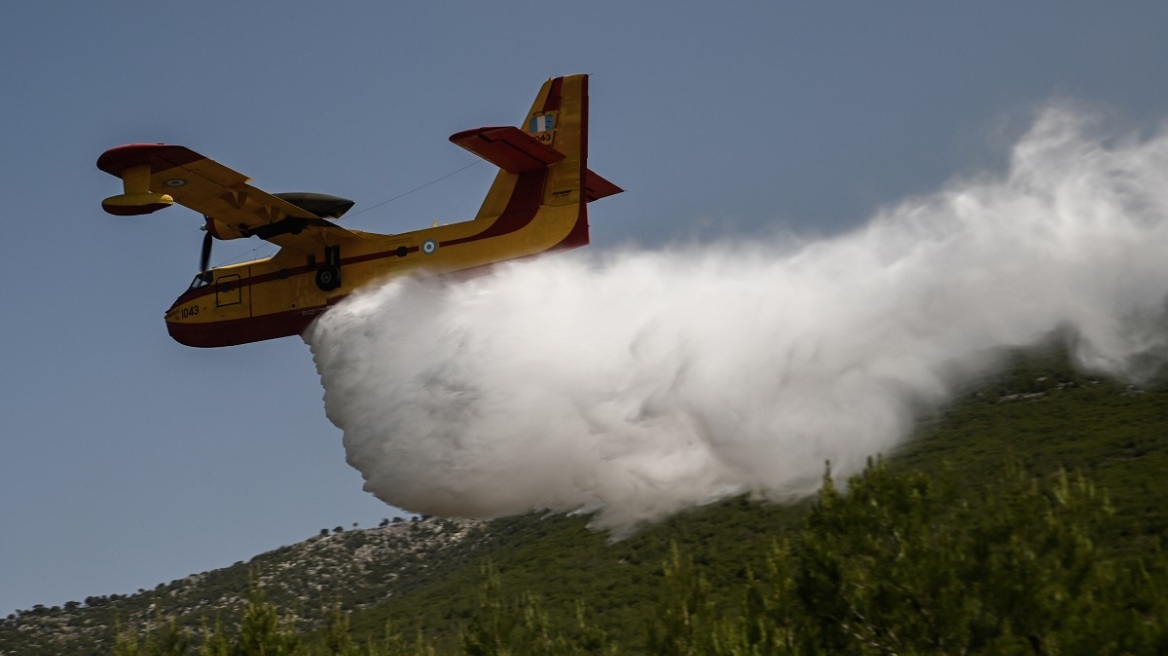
(155, 175)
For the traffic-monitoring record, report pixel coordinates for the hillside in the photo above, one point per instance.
(1038, 412)
(430, 576)
(358, 568)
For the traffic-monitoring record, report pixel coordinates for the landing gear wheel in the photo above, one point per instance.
(328, 278)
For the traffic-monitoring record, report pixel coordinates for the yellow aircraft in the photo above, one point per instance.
(537, 203)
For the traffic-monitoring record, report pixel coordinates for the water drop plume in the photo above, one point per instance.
(633, 384)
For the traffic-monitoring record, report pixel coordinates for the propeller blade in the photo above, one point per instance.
(205, 255)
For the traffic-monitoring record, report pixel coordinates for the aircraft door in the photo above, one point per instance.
(227, 291)
(232, 297)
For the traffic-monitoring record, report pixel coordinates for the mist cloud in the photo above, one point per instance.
(633, 384)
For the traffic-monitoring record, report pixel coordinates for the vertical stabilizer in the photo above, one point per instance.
(557, 119)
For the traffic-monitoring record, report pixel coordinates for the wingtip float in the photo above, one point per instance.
(537, 203)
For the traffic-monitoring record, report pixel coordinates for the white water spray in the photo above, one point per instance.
(635, 384)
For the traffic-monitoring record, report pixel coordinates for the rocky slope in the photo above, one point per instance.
(356, 568)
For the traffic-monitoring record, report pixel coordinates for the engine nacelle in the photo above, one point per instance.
(322, 205)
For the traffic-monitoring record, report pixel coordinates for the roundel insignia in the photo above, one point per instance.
(175, 182)
(429, 246)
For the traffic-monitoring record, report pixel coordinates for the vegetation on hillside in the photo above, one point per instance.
(902, 564)
(971, 538)
(357, 568)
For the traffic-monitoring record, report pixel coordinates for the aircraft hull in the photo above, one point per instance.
(233, 332)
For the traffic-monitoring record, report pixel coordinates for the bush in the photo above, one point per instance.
(902, 564)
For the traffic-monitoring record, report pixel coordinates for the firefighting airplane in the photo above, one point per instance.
(537, 203)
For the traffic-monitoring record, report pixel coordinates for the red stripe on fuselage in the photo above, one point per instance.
(522, 207)
(283, 274)
(244, 331)
(521, 210)
(232, 332)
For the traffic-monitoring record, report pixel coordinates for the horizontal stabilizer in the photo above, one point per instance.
(509, 148)
(596, 187)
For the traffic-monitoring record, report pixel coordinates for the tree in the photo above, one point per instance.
(905, 563)
(908, 563)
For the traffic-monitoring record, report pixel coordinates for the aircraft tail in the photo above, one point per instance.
(544, 162)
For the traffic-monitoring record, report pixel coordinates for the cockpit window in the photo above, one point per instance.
(201, 280)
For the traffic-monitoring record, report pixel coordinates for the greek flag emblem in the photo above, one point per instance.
(543, 123)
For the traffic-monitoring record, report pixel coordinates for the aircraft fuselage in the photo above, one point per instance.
(281, 295)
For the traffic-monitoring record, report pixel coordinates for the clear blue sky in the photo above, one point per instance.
(128, 460)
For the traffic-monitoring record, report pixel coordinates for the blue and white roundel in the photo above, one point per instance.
(429, 246)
